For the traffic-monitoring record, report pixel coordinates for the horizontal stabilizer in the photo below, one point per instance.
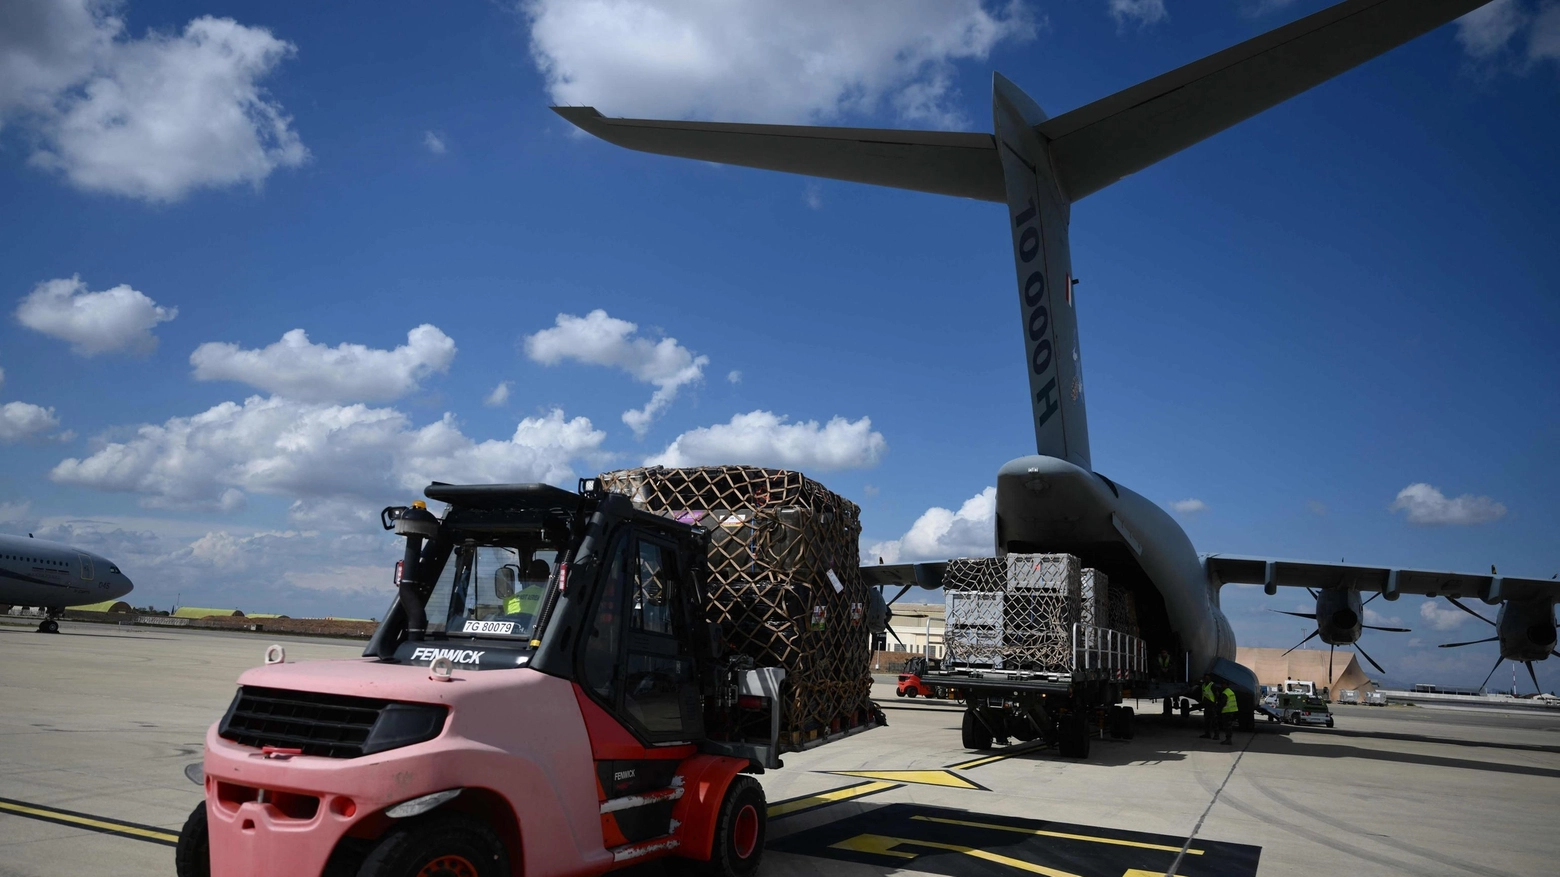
(940, 162)
(1098, 144)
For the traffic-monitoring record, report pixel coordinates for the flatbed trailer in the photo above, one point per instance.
(1064, 706)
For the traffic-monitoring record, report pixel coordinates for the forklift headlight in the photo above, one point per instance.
(402, 724)
(419, 806)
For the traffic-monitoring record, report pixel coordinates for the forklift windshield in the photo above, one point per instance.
(492, 589)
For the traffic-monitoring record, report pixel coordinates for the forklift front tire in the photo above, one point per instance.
(192, 857)
(441, 844)
(740, 828)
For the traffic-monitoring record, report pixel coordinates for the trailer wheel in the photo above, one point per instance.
(192, 857)
(452, 845)
(1121, 722)
(973, 733)
(740, 828)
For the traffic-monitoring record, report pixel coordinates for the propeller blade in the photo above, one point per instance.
(1314, 634)
(1458, 603)
(1533, 676)
(891, 633)
(1330, 649)
(1498, 662)
(1310, 615)
(1388, 629)
(1368, 599)
(1312, 592)
(1555, 653)
(902, 591)
(1472, 642)
(1368, 658)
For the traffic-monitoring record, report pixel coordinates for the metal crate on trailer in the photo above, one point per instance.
(1095, 600)
(973, 627)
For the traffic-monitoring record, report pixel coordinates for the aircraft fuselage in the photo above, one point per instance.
(52, 575)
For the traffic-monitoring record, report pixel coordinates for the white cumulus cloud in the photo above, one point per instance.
(23, 420)
(296, 368)
(1190, 506)
(766, 60)
(434, 143)
(1487, 32)
(1441, 617)
(1426, 505)
(301, 450)
(118, 320)
(1139, 12)
(940, 534)
(599, 339)
(499, 396)
(151, 117)
(762, 438)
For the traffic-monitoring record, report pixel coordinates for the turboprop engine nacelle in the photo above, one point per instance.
(1526, 629)
(1339, 616)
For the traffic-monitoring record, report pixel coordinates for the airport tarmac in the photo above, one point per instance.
(100, 721)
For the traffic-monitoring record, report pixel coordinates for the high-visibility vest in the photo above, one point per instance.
(525, 602)
(1207, 693)
(1229, 701)
(1164, 662)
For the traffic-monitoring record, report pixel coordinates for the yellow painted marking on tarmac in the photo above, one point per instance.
(922, 777)
(88, 822)
(880, 845)
(1139, 872)
(833, 797)
(1060, 834)
(980, 761)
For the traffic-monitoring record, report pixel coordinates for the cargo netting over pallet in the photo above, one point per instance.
(1015, 612)
(784, 581)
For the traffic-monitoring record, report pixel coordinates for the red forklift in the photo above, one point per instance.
(545, 697)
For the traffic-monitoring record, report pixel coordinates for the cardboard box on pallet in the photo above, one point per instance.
(784, 581)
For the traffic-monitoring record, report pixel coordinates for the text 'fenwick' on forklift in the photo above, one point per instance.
(566, 683)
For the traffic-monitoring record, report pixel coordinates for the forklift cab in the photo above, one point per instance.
(581, 586)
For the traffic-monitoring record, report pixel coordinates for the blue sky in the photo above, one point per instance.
(1291, 323)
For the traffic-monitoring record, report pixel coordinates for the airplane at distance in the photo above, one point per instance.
(1039, 166)
(52, 576)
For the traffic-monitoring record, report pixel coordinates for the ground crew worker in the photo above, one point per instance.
(1163, 664)
(1227, 714)
(1210, 709)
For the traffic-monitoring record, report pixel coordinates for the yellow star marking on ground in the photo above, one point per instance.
(923, 777)
(781, 808)
(1061, 834)
(880, 845)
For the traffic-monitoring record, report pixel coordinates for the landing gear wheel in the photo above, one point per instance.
(453, 845)
(973, 733)
(740, 828)
(192, 857)
(1168, 707)
(48, 625)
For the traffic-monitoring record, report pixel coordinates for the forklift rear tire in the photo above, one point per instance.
(911, 691)
(452, 843)
(973, 733)
(192, 857)
(740, 828)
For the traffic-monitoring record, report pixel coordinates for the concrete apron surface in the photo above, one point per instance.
(100, 721)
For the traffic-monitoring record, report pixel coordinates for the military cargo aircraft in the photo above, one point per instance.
(1054, 501)
(52, 576)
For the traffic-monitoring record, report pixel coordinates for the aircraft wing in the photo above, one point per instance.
(1092, 146)
(1098, 144)
(925, 575)
(1274, 573)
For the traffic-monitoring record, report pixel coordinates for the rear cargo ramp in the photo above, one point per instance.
(775, 538)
